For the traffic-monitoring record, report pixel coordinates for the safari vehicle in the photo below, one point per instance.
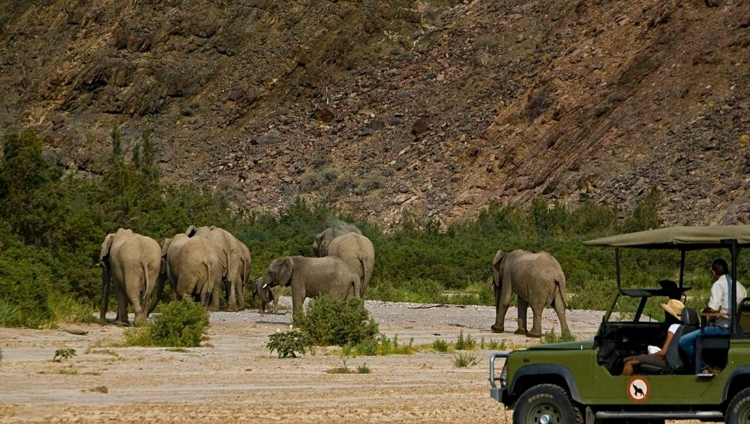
(580, 382)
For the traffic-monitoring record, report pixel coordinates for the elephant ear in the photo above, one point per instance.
(106, 246)
(191, 230)
(281, 271)
(497, 267)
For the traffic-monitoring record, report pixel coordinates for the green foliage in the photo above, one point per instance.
(363, 369)
(465, 343)
(289, 343)
(440, 346)
(551, 337)
(493, 344)
(180, 324)
(52, 225)
(335, 322)
(465, 359)
(381, 345)
(64, 353)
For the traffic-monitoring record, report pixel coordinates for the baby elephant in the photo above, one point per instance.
(266, 294)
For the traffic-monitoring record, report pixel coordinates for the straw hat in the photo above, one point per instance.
(674, 307)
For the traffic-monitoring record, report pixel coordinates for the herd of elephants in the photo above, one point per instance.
(205, 262)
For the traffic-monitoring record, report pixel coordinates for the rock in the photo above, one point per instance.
(420, 126)
(324, 112)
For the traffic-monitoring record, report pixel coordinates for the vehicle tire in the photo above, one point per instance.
(544, 404)
(738, 411)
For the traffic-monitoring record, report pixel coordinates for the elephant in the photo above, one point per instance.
(266, 294)
(313, 277)
(192, 266)
(355, 249)
(245, 262)
(228, 250)
(134, 262)
(538, 280)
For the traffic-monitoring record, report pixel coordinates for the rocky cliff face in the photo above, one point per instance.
(438, 107)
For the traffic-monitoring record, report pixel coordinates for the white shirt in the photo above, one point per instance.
(719, 300)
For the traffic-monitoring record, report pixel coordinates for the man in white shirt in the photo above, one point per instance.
(718, 303)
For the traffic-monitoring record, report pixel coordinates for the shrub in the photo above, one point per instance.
(289, 343)
(440, 346)
(334, 322)
(551, 337)
(181, 324)
(363, 369)
(465, 343)
(465, 359)
(64, 353)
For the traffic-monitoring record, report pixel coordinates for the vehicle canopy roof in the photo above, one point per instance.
(682, 238)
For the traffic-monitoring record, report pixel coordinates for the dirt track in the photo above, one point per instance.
(234, 378)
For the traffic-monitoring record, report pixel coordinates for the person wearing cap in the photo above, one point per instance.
(674, 308)
(718, 302)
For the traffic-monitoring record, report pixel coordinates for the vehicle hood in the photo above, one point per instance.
(577, 345)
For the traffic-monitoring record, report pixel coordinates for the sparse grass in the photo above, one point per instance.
(440, 346)
(382, 345)
(63, 354)
(492, 344)
(551, 337)
(98, 389)
(465, 343)
(363, 369)
(465, 359)
(68, 371)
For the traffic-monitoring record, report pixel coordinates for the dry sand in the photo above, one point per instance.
(234, 377)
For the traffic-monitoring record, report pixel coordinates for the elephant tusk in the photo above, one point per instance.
(265, 285)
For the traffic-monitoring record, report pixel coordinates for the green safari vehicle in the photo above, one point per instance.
(580, 382)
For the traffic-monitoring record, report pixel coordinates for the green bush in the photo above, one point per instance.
(180, 324)
(440, 346)
(465, 359)
(465, 343)
(289, 343)
(334, 322)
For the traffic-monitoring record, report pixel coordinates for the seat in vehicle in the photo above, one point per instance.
(673, 357)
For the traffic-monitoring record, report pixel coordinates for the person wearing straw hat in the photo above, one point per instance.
(674, 308)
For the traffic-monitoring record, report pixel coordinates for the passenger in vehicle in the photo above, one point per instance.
(718, 302)
(674, 308)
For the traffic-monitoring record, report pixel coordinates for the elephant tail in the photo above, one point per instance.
(559, 289)
(362, 278)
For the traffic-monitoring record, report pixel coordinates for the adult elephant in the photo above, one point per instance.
(227, 247)
(537, 279)
(266, 294)
(313, 277)
(355, 249)
(193, 267)
(245, 262)
(133, 261)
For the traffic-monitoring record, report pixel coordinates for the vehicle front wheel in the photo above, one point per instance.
(738, 411)
(544, 404)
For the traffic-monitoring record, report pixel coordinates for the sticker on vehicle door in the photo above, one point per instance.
(638, 389)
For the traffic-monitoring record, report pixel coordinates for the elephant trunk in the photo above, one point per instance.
(105, 289)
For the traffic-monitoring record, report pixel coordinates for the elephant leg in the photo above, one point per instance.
(215, 298)
(502, 301)
(239, 289)
(122, 307)
(559, 305)
(232, 298)
(298, 301)
(523, 308)
(536, 328)
(135, 295)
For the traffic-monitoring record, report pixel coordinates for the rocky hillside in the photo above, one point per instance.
(433, 106)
